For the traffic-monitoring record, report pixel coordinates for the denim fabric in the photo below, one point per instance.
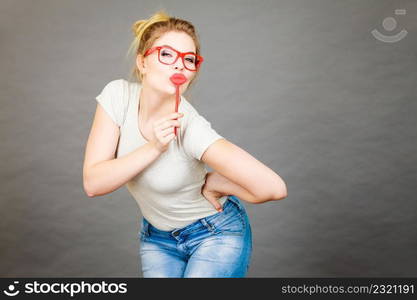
(219, 245)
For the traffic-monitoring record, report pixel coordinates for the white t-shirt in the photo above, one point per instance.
(168, 191)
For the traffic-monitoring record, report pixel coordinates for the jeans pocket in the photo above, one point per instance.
(228, 223)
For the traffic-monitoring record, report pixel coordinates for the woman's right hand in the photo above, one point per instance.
(163, 131)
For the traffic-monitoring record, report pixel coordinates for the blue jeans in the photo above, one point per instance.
(219, 245)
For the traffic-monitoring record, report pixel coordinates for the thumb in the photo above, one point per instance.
(214, 201)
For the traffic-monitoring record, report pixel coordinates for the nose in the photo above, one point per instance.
(179, 64)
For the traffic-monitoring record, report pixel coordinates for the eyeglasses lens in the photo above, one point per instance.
(168, 56)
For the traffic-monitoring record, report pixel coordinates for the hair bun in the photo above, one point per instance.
(137, 26)
(140, 26)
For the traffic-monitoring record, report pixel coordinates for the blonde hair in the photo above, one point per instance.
(149, 30)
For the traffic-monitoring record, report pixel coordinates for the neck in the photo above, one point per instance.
(153, 105)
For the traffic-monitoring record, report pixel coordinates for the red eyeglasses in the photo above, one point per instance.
(168, 55)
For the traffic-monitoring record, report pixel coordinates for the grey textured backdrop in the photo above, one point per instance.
(301, 85)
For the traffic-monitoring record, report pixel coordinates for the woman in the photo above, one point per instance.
(194, 224)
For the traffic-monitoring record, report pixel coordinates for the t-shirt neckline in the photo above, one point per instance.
(136, 111)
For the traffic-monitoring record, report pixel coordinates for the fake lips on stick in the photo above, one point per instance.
(177, 79)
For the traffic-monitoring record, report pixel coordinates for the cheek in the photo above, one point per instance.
(157, 75)
(159, 80)
(184, 87)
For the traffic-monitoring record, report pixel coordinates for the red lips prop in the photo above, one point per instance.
(177, 79)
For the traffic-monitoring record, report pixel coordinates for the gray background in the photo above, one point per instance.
(301, 85)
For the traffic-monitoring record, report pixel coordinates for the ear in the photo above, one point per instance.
(140, 63)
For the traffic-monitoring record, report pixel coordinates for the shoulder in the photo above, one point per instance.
(115, 99)
(119, 90)
(187, 108)
(191, 116)
(117, 85)
(197, 132)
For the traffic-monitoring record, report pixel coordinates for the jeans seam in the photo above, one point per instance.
(241, 210)
(216, 230)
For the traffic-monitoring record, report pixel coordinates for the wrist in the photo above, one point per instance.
(154, 148)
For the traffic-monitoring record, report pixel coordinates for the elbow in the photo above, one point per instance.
(282, 192)
(280, 196)
(90, 195)
(91, 187)
(88, 189)
(274, 195)
(92, 190)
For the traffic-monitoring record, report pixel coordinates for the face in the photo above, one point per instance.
(157, 74)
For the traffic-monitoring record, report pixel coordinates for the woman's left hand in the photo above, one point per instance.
(211, 189)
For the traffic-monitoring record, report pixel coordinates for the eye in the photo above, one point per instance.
(165, 53)
(191, 58)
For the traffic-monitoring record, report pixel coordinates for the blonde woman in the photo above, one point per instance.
(194, 223)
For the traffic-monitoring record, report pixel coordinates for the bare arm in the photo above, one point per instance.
(246, 175)
(102, 172)
(217, 186)
(107, 176)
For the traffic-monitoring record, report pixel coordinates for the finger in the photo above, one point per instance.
(169, 138)
(170, 123)
(215, 203)
(167, 124)
(179, 115)
(170, 117)
(167, 131)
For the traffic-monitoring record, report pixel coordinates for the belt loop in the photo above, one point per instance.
(236, 200)
(146, 229)
(206, 224)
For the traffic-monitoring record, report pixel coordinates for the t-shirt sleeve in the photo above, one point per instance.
(113, 101)
(198, 136)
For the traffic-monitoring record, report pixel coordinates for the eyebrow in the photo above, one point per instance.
(180, 51)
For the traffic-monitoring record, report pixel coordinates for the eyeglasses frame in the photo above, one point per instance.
(200, 59)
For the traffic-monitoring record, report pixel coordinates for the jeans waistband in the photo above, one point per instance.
(199, 224)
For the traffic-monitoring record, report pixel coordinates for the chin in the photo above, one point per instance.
(173, 89)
